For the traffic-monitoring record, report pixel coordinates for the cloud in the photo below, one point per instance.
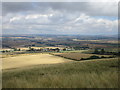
(90, 8)
(59, 18)
(44, 24)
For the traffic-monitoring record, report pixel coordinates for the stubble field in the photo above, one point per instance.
(30, 60)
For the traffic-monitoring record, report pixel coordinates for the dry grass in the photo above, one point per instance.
(88, 74)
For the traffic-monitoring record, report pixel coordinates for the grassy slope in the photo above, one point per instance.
(77, 74)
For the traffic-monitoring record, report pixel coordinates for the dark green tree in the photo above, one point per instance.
(102, 51)
(19, 49)
(15, 49)
(96, 51)
(31, 49)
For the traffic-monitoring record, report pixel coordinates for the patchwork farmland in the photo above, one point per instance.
(60, 62)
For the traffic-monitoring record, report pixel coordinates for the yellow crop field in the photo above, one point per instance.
(5, 49)
(87, 40)
(30, 60)
(113, 41)
(23, 48)
(99, 41)
(47, 47)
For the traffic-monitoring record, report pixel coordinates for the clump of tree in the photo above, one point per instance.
(57, 49)
(64, 49)
(81, 47)
(91, 57)
(19, 49)
(97, 51)
(103, 52)
(5, 51)
(96, 57)
(31, 49)
(16, 49)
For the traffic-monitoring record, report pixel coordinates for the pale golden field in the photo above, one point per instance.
(30, 60)
(47, 47)
(76, 55)
(103, 41)
(86, 40)
(5, 49)
(21, 48)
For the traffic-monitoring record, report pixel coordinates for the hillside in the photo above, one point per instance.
(101, 73)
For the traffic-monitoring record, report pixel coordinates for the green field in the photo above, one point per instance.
(102, 73)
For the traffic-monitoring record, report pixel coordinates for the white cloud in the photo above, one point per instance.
(14, 19)
(81, 24)
(38, 16)
(62, 19)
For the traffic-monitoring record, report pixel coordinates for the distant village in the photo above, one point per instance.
(57, 49)
(43, 49)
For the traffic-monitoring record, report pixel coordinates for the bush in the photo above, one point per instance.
(111, 56)
(91, 57)
(94, 57)
(83, 59)
(103, 57)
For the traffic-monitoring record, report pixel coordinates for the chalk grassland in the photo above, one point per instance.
(29, 60)
(76, 55)
(102, 73)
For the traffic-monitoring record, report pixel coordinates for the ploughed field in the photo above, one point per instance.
(76, 55)
(30, 60)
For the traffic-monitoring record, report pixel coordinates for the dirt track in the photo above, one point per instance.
(29, 60)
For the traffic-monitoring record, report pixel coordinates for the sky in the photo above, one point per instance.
(66, 18)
